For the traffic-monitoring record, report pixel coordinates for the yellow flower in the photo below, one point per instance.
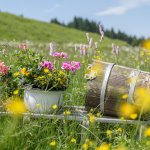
(73, 140)
(119, 130)
(109, 132)
(147, 132)
(15, 106)
(16, 92)
(46, 70)
(92, 117)
(23, 71)
(85, 146)
(146, 44)
(127, 109)
(104, 146)
(67, 112)
(142, 99)
(125, 96)
(16, 74)
(61, 72)
(133, 116)
(53, 143)
(54, 106)
(27, 73)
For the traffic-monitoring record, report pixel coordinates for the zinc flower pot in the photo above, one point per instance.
(39, 101)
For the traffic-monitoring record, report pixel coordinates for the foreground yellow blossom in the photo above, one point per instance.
(15, 106)
(92, 117)
(54, 106)
(146, 44)
(53, 143)
(16, 74)
(147, 132)
(73, 140)
(104, 146)
(16, 92)
(127, 110)
(125, 96)
(119, 130)
(133, 116)
(24, 71)
(142, 99)
(88, 143)
(67, 112)
(46, 70)
(109, 133)
(85, 146)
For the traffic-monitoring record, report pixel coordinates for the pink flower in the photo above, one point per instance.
(71, 66)
(63, 55)
(76, 65)
(47, 64)
(3, 68)
(60, 55)
(23, 46)
(66, 66)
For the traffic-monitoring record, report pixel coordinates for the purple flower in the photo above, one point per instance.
(60, 55)
(66, 66)
(47, 64)
(76, 64)
(71, 66)
(101, 32)
(63, 55)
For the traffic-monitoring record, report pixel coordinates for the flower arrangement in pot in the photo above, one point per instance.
(44, 81)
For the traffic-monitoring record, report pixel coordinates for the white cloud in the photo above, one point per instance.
(125, 6)
(52, 9)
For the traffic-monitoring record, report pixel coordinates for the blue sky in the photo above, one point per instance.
(131, 16)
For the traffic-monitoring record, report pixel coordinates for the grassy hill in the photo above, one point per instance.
(18, 28)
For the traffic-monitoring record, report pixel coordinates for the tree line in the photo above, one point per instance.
(92, 26)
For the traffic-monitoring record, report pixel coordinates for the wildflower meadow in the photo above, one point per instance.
(67, 68)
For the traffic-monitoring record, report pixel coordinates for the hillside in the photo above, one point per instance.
(18, 28)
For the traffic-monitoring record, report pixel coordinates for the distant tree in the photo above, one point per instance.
(55, 21)
(92, 26)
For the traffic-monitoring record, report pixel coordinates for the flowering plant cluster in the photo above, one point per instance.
(33, 71)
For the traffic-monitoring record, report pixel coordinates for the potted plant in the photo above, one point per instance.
(44, 81)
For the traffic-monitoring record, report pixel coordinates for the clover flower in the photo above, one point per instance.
(71, 66)
(60, 55)
(47, 64)
(3, 68)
